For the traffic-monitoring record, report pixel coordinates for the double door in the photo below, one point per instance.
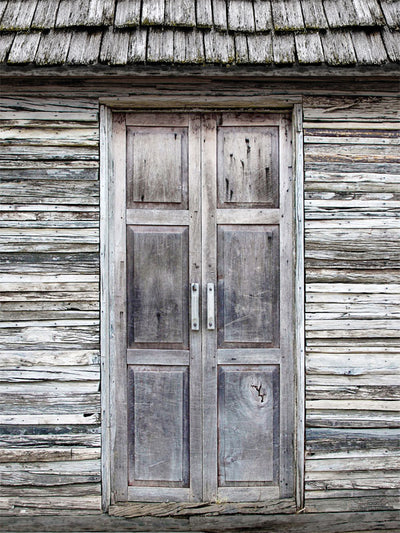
(202, 307)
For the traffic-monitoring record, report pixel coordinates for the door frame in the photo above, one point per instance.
(108, 276)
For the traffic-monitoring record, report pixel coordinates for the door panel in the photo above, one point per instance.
(154, 153)
(203, 413)
(248, 421)
(158, 430)
(157, 286)
(248, 286)
(248, 166)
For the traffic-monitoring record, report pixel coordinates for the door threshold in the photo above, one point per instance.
(164, 509)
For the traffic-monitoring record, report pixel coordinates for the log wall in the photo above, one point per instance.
(49, 294)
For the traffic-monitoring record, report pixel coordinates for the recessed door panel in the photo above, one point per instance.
(157, 167)
(248, 421)
(248, 166)
(157, 286)
(158, 426)
(248, 286)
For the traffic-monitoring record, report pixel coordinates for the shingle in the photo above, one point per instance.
(338, 48)
(84, 47)
(309, 48)
(392, 44)
(182, 13)
(89, 13)
(283, 48)
(101, 12)
(368, 12)
(3, 5)
(369, 47)
(24, 47)
(18, 15)
(127, 13)
(45, 14)
(153, 12)
(391, 10)
(219, 14)
(188, 47)
(71, 13)
(160, 48)
(314, 14)
(350, 13)
(263, 15)
(242, 51)
(219, 47)
(260, 48)
(204, 14)
(240, 15)
(287, 15)
(137, 46)
(114, 47)
(6, 40)
(53, 48)
(340, 13)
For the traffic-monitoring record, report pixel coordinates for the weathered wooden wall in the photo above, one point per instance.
(49, 294)
(49, 265)
(352, 252)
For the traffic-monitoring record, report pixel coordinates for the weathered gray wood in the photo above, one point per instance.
(391, 12)
(219, 14)
(309, 48)
(287, 15)
(180, 13)
(53, 48)
(260, 48)
(188, 46)
(314, 14)
(247, 166)
(152, 154)
(127, 13)
(84, 48)
(45, 14)
(204, 14)
(153, 12)
(6, 40)
(24, 47)
(262, 15)
(219, 47)
(162, 460)
(248, 413)
(240, 16)
(248, 293)
(18, 15)
(369, 47)
(284, 48)
(114, 47)
(158, 294)
(137, 46)
(160, 46)
(338, 47)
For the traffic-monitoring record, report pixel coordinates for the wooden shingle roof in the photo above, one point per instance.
(270, 32)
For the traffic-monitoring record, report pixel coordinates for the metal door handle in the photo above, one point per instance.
(210, 306)
(195, 319)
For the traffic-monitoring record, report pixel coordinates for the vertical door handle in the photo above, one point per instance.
(210, 306)
(195, 318)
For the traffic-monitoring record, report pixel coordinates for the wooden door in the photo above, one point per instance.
(203, 300)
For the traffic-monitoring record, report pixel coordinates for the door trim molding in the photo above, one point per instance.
(201, 103)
